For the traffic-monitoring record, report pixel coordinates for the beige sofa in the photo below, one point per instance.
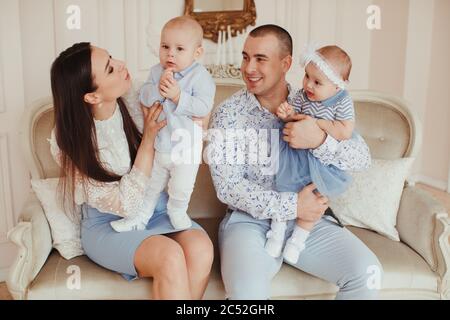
(416, 267)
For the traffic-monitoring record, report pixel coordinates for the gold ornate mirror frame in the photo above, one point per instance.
(214, 21)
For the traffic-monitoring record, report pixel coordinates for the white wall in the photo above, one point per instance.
(13, 174)
(437, 101)
(342, 22)
(407, 57)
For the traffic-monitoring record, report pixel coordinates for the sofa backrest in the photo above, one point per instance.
(385, 122)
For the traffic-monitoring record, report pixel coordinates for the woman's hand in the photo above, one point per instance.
(146, 151)
(151, 124)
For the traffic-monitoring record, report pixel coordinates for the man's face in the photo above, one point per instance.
(263, 65)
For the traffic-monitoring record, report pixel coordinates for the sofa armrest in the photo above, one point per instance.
(442, 239)
(33, 239)
(424, 225)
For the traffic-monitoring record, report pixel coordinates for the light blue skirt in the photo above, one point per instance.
(298, 168)
(115, 251)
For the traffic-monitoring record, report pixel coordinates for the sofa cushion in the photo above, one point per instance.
(404, 270)
(373, 198)
(403, 267)
(65, 232)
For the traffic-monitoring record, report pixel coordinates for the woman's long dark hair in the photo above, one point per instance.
(71, 80)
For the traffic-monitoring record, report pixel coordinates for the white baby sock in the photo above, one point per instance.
(295, 244)
(275, 239)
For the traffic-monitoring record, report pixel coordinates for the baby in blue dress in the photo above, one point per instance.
(324, 98)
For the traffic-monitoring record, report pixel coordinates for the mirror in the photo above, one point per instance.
(217, 15)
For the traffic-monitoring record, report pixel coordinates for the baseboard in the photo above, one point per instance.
(4, 274)
(435, 183)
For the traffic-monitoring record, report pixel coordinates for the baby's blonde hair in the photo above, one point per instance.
(186, 23)
(338, 59)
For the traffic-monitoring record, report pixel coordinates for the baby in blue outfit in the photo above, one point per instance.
(186, 90)
(324, 98)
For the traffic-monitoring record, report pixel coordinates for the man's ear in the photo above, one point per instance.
(199, 52)
(92, 98)
(286, 63)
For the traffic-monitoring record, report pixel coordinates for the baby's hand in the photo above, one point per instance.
(285, 110)
(168, 87)
(167, 75)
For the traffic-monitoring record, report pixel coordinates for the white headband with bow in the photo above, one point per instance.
(310, 54)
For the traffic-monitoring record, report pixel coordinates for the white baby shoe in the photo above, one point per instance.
(292, 250)
(180, 221)
(129, 224)
(274, 243)
(295, 245)
(275, 238)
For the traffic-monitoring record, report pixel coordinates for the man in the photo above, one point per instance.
(332, 253)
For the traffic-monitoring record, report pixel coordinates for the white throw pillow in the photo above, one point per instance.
(373, 198)
(65, 233)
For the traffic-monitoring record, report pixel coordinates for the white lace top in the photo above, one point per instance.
(124, 197)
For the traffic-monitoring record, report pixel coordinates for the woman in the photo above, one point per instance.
(106, 164)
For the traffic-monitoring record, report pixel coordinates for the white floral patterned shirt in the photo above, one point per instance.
(249, 185)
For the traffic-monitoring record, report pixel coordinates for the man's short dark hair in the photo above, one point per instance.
(284, 38)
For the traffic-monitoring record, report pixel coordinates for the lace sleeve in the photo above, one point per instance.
(122, 198)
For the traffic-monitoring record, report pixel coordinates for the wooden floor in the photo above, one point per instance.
(441, 196)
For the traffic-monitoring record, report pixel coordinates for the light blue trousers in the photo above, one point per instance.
(332, 253)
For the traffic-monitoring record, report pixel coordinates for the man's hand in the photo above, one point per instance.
(311, 206)
(285, 111)
(168, 86)
(304, 133)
